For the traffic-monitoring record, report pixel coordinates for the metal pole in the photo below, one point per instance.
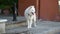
(14, 12)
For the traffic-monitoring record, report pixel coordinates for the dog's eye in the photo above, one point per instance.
(28, 14)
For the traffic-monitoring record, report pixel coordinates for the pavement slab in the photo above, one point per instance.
(43, 27)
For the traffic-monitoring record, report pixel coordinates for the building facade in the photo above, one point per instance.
(45, 9)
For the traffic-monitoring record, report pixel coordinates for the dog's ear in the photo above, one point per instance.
(30, 7)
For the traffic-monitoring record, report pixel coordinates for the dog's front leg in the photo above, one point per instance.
(34, 21)
(30, 23)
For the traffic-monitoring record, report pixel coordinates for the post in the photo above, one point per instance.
(2, 25)
(14, 12)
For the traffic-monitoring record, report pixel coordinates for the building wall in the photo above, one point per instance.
(45, 9)
(23, 4)
(48, 9)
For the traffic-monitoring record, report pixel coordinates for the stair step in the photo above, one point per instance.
(10, 26)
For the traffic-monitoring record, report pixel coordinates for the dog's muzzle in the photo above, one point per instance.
(32, 13)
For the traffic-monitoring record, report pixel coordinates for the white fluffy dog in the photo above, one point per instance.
(30, 16)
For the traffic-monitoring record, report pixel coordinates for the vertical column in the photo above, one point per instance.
(38, 9)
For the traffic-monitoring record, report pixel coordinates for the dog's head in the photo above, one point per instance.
(31, 10)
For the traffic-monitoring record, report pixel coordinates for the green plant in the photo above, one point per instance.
(7, 3)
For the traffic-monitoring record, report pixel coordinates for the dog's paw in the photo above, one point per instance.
(29, 27)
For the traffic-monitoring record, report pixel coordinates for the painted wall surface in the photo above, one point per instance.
(48, 9)
(45, 9)
(23, 4)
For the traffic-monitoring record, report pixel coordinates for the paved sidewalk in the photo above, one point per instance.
(43, 27)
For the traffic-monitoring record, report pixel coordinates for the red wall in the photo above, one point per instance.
(23, 4)
(45, 9)
(48, 9)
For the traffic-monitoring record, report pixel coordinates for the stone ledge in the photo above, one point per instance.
(15, 22)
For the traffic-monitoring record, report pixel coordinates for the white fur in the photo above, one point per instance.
(31, 18)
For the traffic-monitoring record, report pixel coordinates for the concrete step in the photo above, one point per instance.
(11, 26)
